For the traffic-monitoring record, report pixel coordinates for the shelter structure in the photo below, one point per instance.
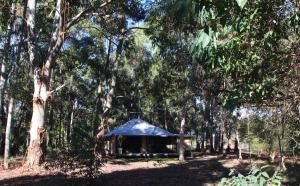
(138, 137)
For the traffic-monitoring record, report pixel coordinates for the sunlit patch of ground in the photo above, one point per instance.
(131, 164)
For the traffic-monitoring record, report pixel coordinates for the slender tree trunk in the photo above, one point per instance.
(49, 116)
(212, 127)
(72, 120)
(7, 133)
(207, 138)
(61, 135)
(3, 79)
(99, 146)
(2, 83)
(238, 145)
(282, 157)
(221, 142)
(248, 133)
(204, 140)
(7, 47)
(181, 136)
(109, 97)
(165, 115)
(197, 140)
(207, 121)
(97, 110)
(50, 126)
(21, 116)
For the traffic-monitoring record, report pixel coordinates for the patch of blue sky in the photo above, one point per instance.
(245, 112)
(287, 10)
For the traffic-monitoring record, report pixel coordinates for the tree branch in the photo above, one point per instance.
(76, 18)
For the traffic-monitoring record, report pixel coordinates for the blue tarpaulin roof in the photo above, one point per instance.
(138, 127)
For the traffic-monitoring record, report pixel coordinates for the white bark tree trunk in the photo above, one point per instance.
(42, 74)
(7, 46)
(181, 139)
(72, 119)
(238, 145)
(204, 139)
(35, 150)
(165, 115)
(7, 132)
(37, 144)
(31, 5)
(213, 142)
(2, 83)
(282, 157)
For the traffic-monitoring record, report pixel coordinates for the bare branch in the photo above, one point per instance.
(58, 88)
(77, 18)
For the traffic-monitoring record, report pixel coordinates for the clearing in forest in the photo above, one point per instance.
(205, 170)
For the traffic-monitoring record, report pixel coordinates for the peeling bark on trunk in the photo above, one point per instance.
(37, 144)
(7, 132)
(42, 73)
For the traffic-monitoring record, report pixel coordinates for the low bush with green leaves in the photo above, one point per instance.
(256, 177)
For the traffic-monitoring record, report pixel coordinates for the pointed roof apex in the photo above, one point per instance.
(138, 127)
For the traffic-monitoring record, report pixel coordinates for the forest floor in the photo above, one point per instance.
(203, 170)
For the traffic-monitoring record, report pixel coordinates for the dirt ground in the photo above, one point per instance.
(204, 170)
(199, 171)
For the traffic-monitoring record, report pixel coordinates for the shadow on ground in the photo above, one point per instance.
(195, 172)
(192, 172)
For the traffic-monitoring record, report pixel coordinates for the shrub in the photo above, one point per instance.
(256, 177)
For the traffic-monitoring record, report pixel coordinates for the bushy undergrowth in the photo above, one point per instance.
(81, 164)
(256, 177)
